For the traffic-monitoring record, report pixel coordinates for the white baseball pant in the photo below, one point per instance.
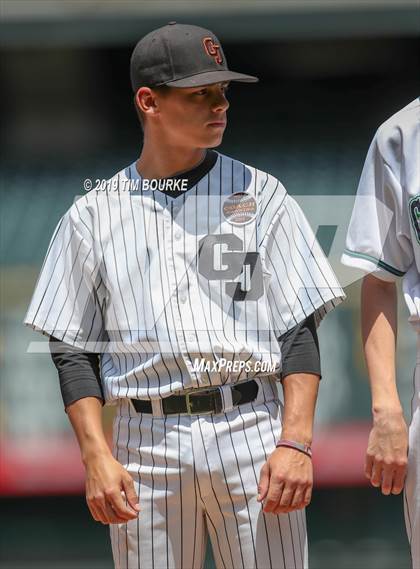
(412, 484)
(197, 476)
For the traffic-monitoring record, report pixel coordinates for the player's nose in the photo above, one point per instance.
(221, 104)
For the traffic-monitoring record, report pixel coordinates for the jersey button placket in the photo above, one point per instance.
(180, 297)
(172, 281)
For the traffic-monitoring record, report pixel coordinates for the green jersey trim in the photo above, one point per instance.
(378, 262)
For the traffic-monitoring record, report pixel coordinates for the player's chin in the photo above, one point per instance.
(214, 140)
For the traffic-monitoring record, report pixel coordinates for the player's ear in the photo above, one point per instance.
(146, 102)
(138, 112)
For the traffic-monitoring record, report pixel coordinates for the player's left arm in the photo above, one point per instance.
(306, 293)
(286, 478)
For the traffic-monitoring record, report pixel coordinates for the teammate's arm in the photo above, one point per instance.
(106, 478)
(386, 456)
(286, 478)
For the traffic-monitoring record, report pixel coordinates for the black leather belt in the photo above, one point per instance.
(201, 401)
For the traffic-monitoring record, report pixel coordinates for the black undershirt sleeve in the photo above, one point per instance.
(78, 372)
(300, 349)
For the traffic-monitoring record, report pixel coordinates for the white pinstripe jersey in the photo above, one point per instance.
(152, 281)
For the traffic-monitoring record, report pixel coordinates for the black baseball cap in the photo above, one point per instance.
(181, 55)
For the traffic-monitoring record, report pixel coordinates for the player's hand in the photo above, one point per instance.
(110, 492)
(286, 481)
(386, 455)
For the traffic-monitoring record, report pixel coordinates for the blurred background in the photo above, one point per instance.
(330, 73)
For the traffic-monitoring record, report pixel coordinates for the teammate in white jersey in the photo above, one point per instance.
(384, 240)
(185, 295)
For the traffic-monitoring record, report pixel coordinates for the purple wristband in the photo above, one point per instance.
(306, 449)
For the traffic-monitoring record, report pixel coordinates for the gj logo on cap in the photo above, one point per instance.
(240, 208)
(213, 50)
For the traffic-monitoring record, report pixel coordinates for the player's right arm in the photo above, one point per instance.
(66, 304)
(107, 481)
(82, 394)
(378, 243)
(386, 455)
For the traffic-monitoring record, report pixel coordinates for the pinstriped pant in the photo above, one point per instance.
(198, 476)
(412, 483)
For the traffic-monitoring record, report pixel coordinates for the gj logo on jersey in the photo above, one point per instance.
(235, 262)
(414, 209)
(240, 208)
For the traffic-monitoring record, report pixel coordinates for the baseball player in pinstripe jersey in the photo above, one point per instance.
(384, 241)
(173, 290)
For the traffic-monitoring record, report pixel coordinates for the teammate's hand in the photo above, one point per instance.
(386, 455)
(286, 481)
(110, 492)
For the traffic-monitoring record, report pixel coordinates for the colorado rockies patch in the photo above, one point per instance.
(240, 208)
(414, 209)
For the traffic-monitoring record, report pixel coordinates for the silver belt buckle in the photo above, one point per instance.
(196, 392)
